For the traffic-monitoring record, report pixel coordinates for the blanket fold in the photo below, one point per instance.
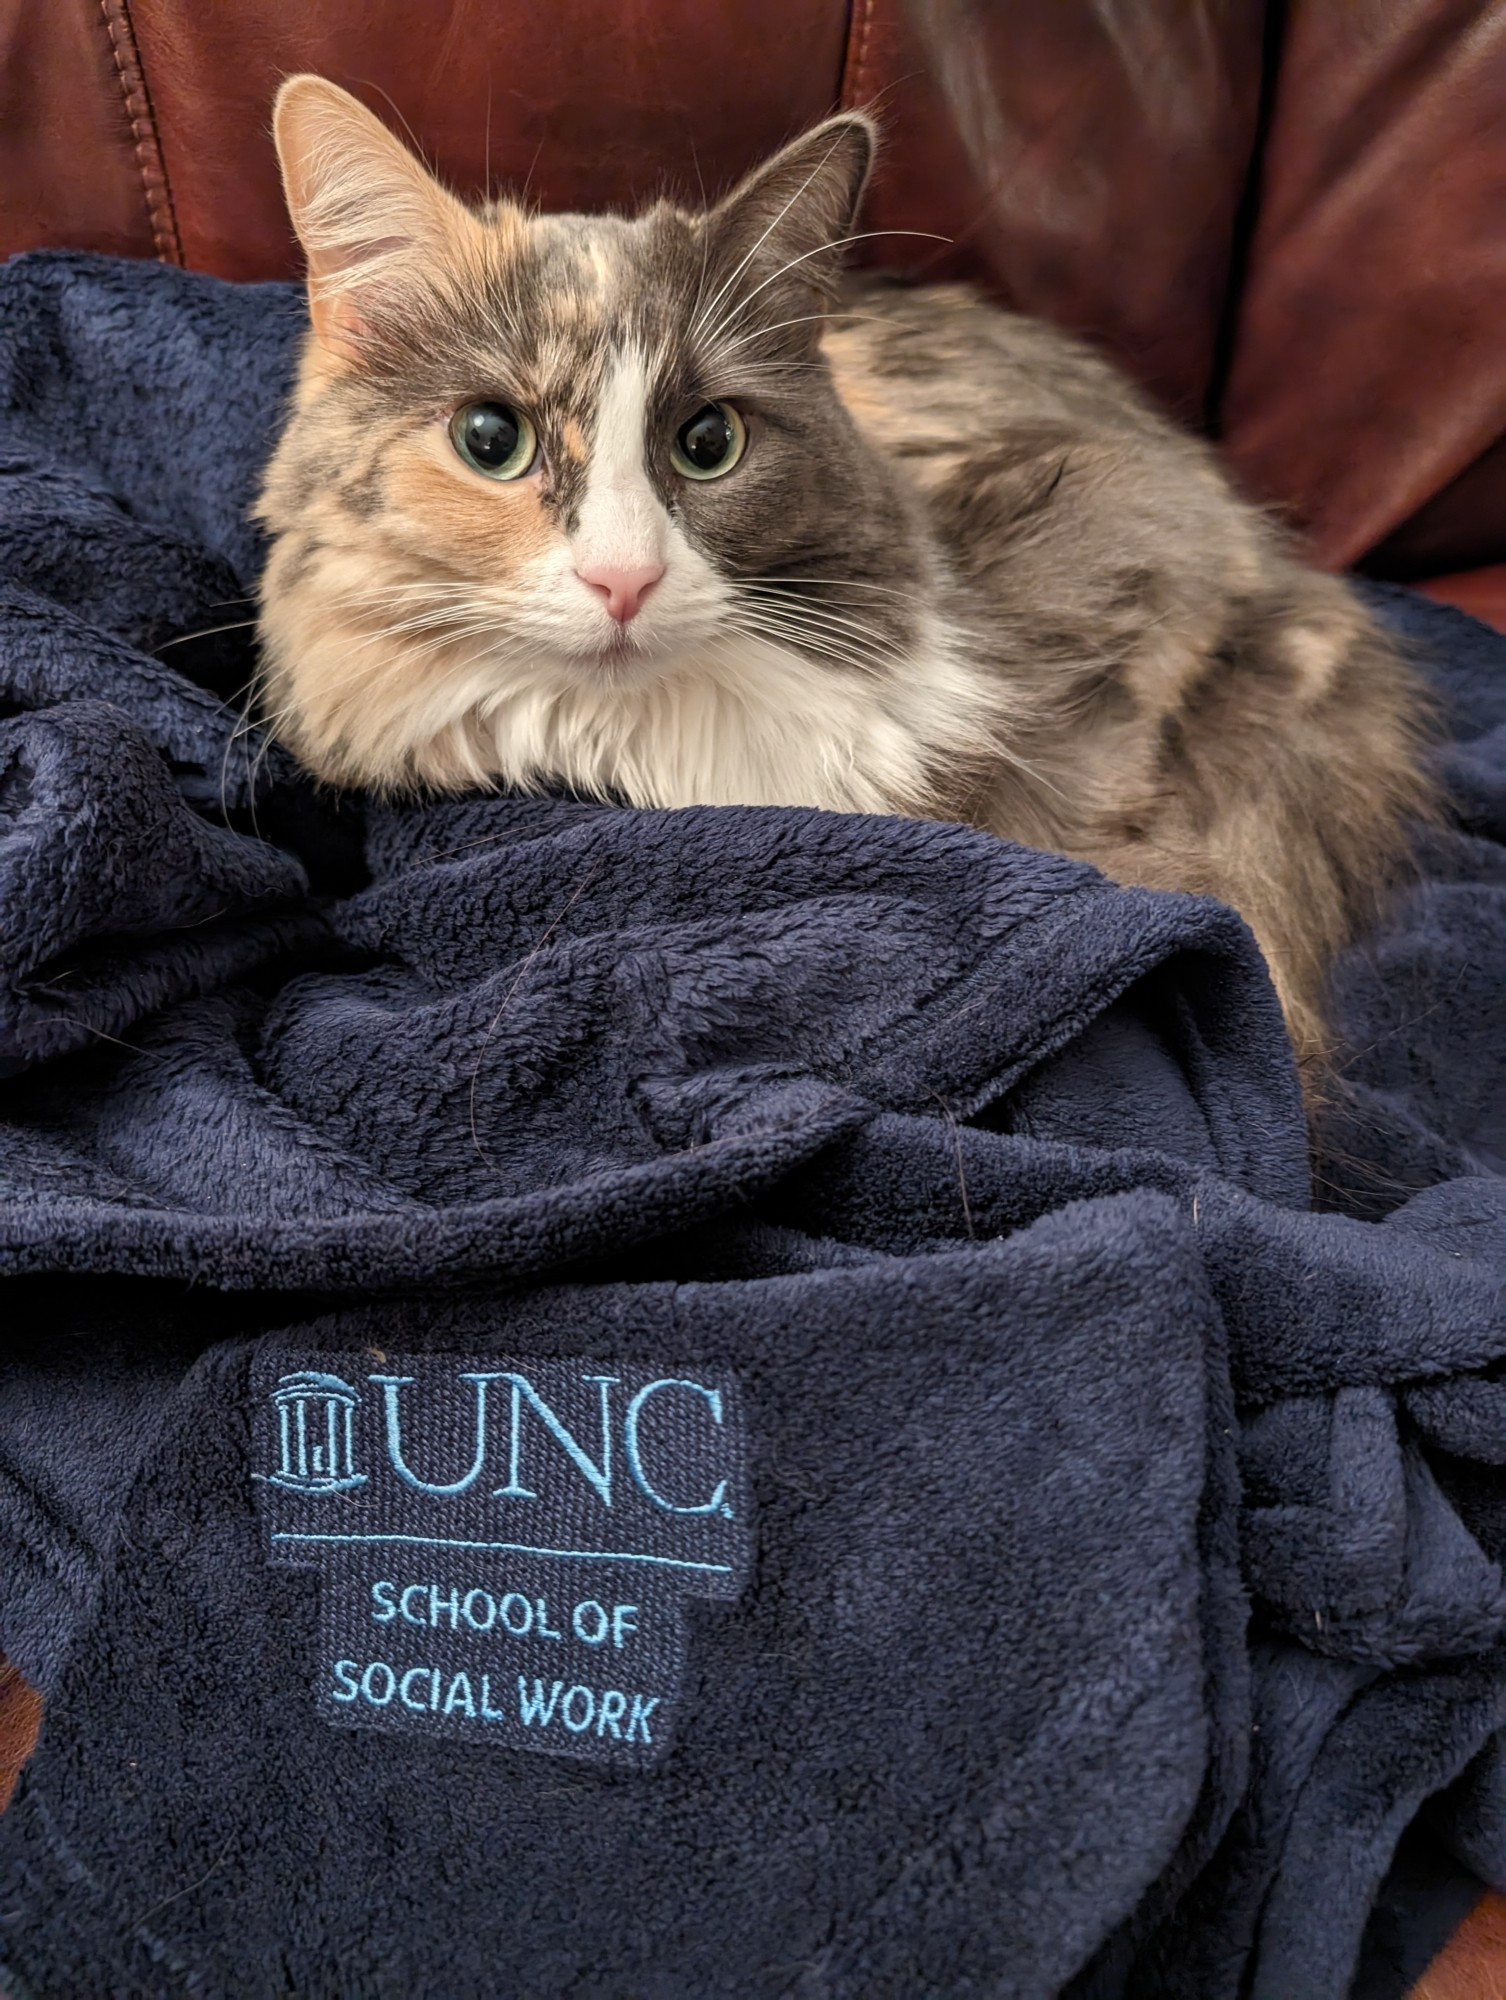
(728, 1401)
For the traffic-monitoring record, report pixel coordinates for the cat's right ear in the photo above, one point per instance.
(788, 222)
(370, 216)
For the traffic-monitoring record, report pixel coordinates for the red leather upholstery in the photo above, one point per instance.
(20, 1716)
(68, 166)
(1369, 368)
(1472, 1965)
(1465, 523)
(1480, 592)
(586, 104)
(1286, 219)
(1089, 162)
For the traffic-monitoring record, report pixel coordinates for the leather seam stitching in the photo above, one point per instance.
(857, 57)
(136, 100)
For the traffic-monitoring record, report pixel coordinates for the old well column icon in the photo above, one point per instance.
(316, 1434)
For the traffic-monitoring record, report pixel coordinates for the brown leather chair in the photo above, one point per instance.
(1287, 218)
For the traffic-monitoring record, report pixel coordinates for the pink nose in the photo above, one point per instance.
(624, 589)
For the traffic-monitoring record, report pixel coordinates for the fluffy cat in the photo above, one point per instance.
(669, 509)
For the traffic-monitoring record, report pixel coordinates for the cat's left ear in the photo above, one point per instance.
(372, 219)
(793, 215)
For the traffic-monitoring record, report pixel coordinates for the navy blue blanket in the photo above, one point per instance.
(705, 1403)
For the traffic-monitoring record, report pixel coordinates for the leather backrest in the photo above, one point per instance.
(584, 104)
(1285, 219)
(1089, 161)
(1368, 359)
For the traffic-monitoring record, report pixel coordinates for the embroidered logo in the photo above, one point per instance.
(505, 1547)
(315, 1430)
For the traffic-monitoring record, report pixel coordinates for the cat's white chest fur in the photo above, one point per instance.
(741, 722)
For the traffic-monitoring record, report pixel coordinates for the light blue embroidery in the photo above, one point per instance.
(423, 1674)
(389, 1385)
(315, 1434)
(578, 1707)
(594, 1615)
(523, 1391)
(473, 1618)
(718, 1501)
(507, 1612)
(514, 1548)
(536, 1709)
(569, 1712)
(599, 1476)
(369, 1685)
(638, 1720)
(409, 1542)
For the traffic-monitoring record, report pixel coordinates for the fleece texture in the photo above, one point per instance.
(1113, 1560)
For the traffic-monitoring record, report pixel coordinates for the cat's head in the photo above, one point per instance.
(559, 492)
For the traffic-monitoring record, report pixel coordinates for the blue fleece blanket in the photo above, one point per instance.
(718, 1402)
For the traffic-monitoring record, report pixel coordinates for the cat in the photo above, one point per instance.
(674, 511)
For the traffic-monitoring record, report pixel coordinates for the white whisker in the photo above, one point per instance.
(743, 263)
(758, 333)
(182, 638)
(849, 582)
(811, 643)
(814, 619)
(803, 607)
(731, 317)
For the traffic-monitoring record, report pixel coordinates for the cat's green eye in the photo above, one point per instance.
(710, 444)
(495, 439)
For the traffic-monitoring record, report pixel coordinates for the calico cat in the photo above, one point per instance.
(669, 509)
